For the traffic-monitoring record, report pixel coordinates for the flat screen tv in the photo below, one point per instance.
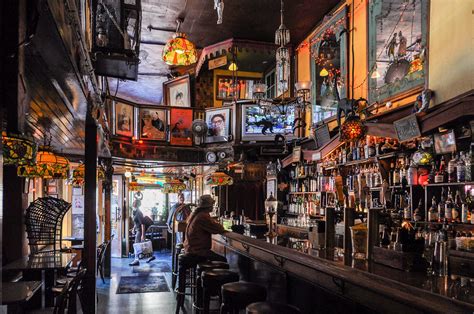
(445, 143)
(260, 126)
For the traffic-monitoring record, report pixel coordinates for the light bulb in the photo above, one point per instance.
(233, 67)
(324, 72)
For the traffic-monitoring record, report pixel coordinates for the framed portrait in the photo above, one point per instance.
(124, 119)
(152, 123)
(218, 123)
(397, 45)
(177, 92)
(115, 187)
(180, 127)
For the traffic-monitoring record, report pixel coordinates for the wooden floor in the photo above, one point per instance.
(150, 302)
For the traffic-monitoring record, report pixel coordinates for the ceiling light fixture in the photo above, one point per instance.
(179, 50)
(282, 38)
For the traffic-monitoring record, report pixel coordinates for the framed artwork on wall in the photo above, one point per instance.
(152, 123)
(177, 92)
(180, 126)
(218, 123)
(124, 119)
(397, 47)
(226, 89)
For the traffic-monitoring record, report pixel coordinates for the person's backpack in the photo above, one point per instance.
(147, 221)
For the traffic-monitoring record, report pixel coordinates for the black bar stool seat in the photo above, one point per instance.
(205, 266)
(186, 266)
(271, 308)
(237, 295)
(212, 281)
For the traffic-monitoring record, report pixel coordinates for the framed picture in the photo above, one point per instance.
(226, 89)
(115, 187)
(445, 143)
(177, 92)
(218, 122)
(397, 45)
(152, 124)
(124, 121)
(180, 127)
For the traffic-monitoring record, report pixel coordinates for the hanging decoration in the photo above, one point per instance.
(174, 186)
(352, 129)
(219, 178)
(78, 174)
(134, 186)
(18, 150)
(219, 7)
(179, 50)
(48, 165)
(282, 39)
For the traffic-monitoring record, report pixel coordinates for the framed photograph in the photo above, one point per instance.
(152, 123)
(180, 127)
(115, 187)
(226, 89)
(445, 143)
(218, 122)
(177, 92)
(397, 47)
(124, 121)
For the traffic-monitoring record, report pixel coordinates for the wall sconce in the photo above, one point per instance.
(303, 91)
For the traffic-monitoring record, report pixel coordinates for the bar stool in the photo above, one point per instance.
(237, 295)
(212, 281)
(186, 269)
(271, 308)
(209, 265)
(174, 275)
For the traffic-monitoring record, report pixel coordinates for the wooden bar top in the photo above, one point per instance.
(376, 286)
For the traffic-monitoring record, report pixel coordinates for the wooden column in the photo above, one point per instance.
(107, 188)
(349, 218)
(90, 210)
(14, 99)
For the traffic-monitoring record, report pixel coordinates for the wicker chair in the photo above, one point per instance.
(43, 220)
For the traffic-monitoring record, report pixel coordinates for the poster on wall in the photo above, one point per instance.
(78, 204)
(152, 124)
(123, 119)
(397, 47)
(180, 127)
(218, 123)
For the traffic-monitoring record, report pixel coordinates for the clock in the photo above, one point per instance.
(211, 157)
(221, 155)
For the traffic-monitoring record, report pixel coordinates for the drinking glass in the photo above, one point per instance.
(428, 253)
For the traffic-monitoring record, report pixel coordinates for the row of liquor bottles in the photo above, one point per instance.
(452, 208)
(459, 168)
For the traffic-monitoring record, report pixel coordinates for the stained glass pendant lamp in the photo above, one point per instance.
(179, 50)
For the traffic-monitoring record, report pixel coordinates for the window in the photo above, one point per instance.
(270, 82)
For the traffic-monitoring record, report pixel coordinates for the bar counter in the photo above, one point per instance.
(317, 285)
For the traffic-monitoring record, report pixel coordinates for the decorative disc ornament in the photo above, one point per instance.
(352, 130)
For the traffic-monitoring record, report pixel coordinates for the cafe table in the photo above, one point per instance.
(34, 265)
(16, 294)
(74, 240)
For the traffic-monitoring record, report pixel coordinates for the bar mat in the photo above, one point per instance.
(153, 267)
(142, 284)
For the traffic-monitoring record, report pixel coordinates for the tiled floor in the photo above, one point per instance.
(151, 302)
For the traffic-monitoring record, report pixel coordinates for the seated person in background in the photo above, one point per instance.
(200, 227)
(182, 212)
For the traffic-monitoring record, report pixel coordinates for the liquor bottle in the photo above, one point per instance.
(441, 206)
(412, 174)
(469, 160)
(440, 175)
(366, 147)
(448, 214)
(396, 175)
(456, 209)
(350, 153)
(433, 212)
(464, 212)
(452, 169)
(461, 168)
(378, 145)
(372, 148)
(390, 174)
(418, 213)
(407, 212)
(344, 155)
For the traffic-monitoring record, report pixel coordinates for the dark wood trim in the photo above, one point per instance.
(379, 293)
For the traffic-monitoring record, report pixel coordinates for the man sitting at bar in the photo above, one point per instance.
(200, 227)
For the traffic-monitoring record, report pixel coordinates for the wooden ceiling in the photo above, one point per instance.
(243, 19)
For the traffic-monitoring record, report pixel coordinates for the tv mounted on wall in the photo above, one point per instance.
(260, 126)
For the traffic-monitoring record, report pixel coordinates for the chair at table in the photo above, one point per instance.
(101, 258)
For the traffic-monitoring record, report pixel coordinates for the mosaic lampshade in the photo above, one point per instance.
(48, 166)
(352, 130)
(175, 186)
(179, 51)
(18, 150)
(219, 178)
(78, 174)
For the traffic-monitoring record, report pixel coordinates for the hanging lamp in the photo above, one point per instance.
(78, 174)
(179, 50)
(282, 38)
(174, 186)
(219, 178)
(18, 149)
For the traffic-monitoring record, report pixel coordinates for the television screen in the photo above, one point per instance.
(445, 142)
(258, 125)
